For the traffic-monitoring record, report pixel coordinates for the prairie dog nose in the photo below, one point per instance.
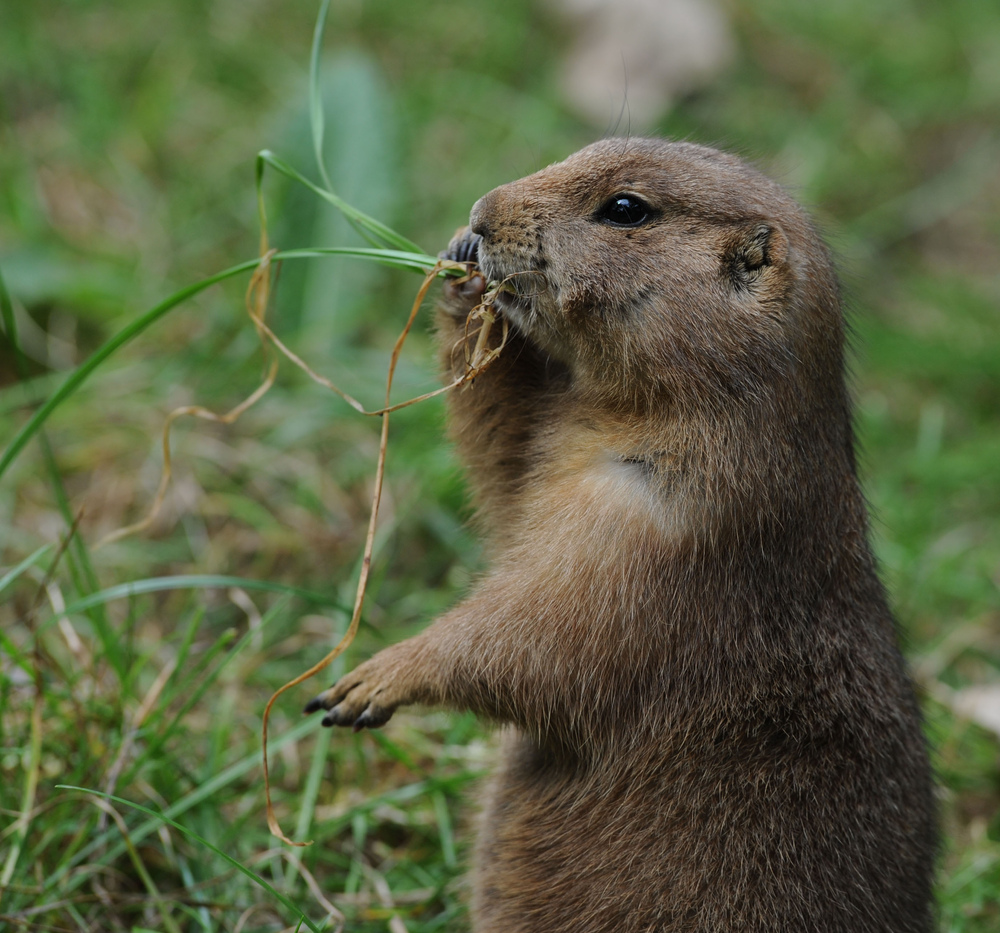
(482, 213)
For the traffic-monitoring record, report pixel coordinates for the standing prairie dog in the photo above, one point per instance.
(711, 729)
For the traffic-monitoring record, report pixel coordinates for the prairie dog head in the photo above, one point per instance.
(654, 268)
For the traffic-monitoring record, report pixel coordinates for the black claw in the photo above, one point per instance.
(365, 721)
(314, 704)
(337, 717)
(464, 248)
(372, 718)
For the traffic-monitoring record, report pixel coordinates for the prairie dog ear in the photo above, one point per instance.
(752, 249)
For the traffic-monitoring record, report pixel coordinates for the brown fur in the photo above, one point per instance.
(712, 728)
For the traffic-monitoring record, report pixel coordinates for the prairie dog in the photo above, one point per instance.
(710, 724)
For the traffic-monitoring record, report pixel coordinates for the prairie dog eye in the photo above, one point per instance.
(624, 210)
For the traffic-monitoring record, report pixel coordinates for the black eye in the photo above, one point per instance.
(624, 210)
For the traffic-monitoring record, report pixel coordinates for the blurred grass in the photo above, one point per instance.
(127, 137)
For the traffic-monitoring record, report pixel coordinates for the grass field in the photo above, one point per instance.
(140, 669)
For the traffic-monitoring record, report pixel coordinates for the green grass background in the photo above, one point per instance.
(127, 140)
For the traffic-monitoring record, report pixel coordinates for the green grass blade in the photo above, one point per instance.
(406, 256)
(194, 581)
(310, 793)
(317, 122)
(10, 327)
(80, 565)
(31, 769)
(87, 368)
(398, 259)
(383, 234)
(445, 829)
(316, 118)
(78, 557)
(163, 818)
(193, 694)
(179, 807)
(30, 392)
(11, 575)
(16, 653)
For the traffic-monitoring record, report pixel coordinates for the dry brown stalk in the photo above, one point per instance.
(257, 301)
(476, 363)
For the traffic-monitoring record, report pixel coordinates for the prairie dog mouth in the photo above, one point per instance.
(517, 286)
(515, 294)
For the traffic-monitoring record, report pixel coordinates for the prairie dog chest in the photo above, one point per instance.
(601, 480)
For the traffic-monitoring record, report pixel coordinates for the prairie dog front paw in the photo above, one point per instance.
(365, 698)
(464, 247)
(463, 294)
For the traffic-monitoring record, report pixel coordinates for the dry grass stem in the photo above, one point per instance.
(317, 892)
(147, 705)
(385, 897)
(479, 360)
(272, 820)
(257, 300)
